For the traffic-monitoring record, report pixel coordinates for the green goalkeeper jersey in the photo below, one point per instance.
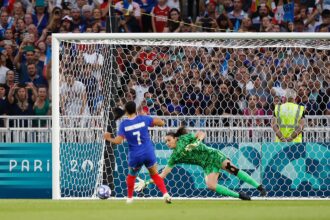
(208, 158)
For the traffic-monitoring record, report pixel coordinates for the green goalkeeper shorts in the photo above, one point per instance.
(214, 166)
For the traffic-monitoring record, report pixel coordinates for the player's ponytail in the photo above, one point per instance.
(181, 131)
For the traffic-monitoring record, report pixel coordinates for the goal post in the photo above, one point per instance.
(92, 73)
(56, 193)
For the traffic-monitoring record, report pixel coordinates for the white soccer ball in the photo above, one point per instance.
(103, 192)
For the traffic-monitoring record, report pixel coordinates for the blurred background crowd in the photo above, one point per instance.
(165, 80)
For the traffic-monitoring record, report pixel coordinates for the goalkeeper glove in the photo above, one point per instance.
(191, 146)
(140, 185)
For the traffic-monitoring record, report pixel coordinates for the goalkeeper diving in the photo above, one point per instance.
(189, 149)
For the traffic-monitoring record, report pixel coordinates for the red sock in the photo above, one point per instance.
(130, 180)
(159, 183)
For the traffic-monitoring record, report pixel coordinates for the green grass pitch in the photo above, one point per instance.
(158, 210)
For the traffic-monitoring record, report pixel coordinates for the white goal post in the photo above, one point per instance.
(81, 137)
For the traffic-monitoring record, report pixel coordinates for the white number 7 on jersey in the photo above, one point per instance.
(137, 133)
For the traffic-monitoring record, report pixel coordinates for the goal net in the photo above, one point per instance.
(223, 84)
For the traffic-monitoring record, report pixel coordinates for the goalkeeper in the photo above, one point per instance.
(189, 149)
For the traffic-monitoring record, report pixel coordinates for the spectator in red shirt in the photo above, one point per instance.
(160, 14)
(145, 59)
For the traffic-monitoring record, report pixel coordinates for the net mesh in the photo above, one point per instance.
(227, 88)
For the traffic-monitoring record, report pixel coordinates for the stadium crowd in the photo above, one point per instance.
(166, 80)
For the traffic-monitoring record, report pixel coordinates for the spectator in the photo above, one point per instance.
(260, 92)
(10, 80)
(325, 21)
(73, 99)
(129, 23)
(6, 22)
(33, 76)
(228, 6)
(54, 23)
(174, 23)
(77, 20)
(18, 10)
(19, 99)
(236, 16)
(4, 105)
(91, 84)
(3, 69)
(224, 23)
(160, 14)
(87, 15)
(175, 105)
(158, 86)
(67, 24)
(81, 3)
(41, 18)
(98, 18)
(266, 25)
(20, 29)
(146, 7)
(253, 109)
(42, 53)
(42, 106)
(8, 53)
(22, 61)
(28, 19)
(188, 25)
(243, 79)
(225, 104)
(205, 99)
(257, 17)
(207, 21)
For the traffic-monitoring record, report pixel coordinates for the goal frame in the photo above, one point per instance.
(56, 38)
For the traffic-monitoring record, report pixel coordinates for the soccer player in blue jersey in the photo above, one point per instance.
(141, 149)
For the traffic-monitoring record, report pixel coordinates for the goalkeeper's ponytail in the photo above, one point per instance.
(181, 131)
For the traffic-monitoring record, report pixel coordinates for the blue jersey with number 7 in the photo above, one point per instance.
(136, 132)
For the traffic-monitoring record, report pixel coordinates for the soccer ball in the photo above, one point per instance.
(103, 192)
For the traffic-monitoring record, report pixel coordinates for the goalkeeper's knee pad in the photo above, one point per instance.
(232, 169)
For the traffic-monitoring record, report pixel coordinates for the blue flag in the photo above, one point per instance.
(288, 12)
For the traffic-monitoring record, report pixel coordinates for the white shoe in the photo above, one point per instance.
(129, 201)
(167, 198)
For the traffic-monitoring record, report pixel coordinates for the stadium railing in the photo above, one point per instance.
(220, 129)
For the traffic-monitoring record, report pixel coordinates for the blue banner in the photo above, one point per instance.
(286, 170)
(25, 170)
